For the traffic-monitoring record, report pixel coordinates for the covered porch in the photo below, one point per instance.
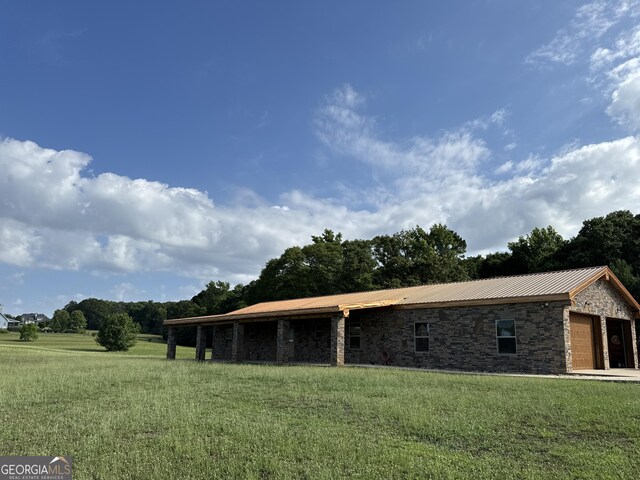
(309, 330)
(319, 340)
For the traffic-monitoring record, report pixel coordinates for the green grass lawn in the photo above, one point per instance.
(139, 416)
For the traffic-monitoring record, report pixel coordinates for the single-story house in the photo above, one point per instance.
(553, 322)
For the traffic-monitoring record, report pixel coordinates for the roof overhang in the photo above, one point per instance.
(302, 313)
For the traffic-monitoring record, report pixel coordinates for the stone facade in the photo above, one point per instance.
(603, 301)
(258, 342)
(312, 340)
(463, 338)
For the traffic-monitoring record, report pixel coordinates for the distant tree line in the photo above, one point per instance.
(330, 265)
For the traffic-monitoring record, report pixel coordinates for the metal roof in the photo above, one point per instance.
(537, 286)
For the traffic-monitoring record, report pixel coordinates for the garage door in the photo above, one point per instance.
(582, 342)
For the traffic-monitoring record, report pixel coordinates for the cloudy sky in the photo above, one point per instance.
(147, 148)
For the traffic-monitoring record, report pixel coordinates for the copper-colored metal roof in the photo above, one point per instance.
(538, 286)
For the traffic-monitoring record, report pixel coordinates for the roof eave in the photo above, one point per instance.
(302, 312)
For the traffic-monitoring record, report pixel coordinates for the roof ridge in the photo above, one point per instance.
(532, 274)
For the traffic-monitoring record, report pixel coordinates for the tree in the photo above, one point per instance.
(95, 310)
(117, 332)
(358, 266)
(495, 265)
(535, 252)
(283, 278)
(77, 322)
(28, 333)
(60, 321)
(415, 257)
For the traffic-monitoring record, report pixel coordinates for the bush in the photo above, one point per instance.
(2, 330)
(28, 333)
(118, 333)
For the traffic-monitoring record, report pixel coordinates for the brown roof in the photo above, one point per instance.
(560, 285)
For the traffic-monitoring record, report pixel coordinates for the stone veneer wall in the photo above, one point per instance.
(602, 300)
(220, 349)
(312, 340)
(258, 342)
(464, 338)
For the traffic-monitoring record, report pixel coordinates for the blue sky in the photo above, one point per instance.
(147, 148)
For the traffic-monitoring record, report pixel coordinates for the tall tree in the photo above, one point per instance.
(414, 257)
(358, 266)
(535, 252)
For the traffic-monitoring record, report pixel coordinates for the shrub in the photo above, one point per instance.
(118, 333)
(28, 333)
(2, 330)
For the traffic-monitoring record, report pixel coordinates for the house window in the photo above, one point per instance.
(506, 337)
(421, 335)
(354, 336)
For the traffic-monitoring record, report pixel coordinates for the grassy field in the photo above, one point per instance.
(138, 416)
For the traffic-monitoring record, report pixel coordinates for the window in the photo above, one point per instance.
(506, 337)
(354, 336)
(421, 335)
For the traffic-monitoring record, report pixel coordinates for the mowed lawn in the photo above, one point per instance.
(138, 416)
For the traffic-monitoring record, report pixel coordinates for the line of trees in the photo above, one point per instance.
(330, 265)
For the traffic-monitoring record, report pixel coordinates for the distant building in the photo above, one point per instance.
(34, 318)
(4, 321)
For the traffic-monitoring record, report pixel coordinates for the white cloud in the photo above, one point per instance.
(55, 215)
(442, 180)
(627, 45)
(126, 292)
(589, 25)
(625, 100)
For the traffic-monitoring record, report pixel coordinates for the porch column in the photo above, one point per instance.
(634, 344)
(282, 353)
(201, 343)
(171, 343)
(337, 341)
(605, 342)
(238, 340)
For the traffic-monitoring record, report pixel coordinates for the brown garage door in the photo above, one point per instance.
(582, 342)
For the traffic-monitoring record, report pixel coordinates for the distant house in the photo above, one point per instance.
(554, 322)
(34, 318)
(7, 323)
(13, 323)
(4, 321)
